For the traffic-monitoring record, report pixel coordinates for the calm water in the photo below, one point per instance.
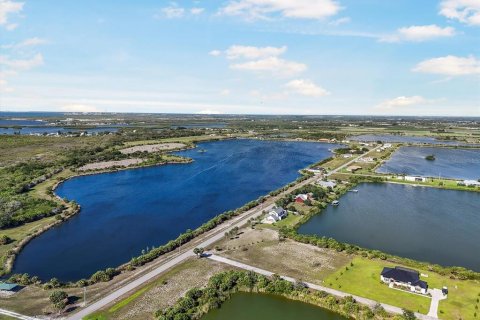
(399, 138)
(426, 224)
(250, 306)
(448, 163)
(124, 212)
(21, 122)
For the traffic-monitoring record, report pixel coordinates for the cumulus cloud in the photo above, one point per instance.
(31, 42)
(306, 88)
(450, 66)
(79, 108)
(173, 12)
(403, 101)
(419, 33)
(465, 11)
(22, 64)
(197, 11)
(8, 7)
(215, 53)
(273, 65)
(250, 52)
(265, 9)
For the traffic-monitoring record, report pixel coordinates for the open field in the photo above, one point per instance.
(153, 148)
(262, 248)
(363, 279)
(162, 291)
(110, 164)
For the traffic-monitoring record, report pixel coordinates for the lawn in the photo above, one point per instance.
(363, 279)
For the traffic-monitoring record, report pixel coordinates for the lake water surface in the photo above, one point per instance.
(249, 306)
(448, 163)
(126, 211)
(426, 224)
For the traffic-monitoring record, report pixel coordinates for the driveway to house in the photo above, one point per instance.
(365, 301)
(437, 295)
(184, 252)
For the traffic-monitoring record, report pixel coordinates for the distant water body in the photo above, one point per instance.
(449, 162)
(127, 211)
(403, 139)
(421, 223)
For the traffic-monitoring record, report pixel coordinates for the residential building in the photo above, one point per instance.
(404, 278)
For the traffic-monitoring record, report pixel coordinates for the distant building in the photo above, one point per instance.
(7, 287)
(471, 183)
(327, 184)
(301, 198)
(415, 178)
(347, 155)
(276, 214)
(404, 278)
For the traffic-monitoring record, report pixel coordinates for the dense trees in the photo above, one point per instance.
(59, 299)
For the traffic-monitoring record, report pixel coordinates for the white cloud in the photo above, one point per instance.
(79, 108)
(403, 101)
(31, 42)
(340, 21)
(419, 33)
(306, 88)
(225, 92)
(173, 12)
(273, 65)
(250, 52)
(8, 7)
(197, 11)
(22, 64)
(450, 66)
(466, 11)
(215, 53)
(264, 9)
(209, 111)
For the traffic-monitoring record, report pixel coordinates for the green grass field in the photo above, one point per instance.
(363, 279)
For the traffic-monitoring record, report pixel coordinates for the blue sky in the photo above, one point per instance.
(403, 57)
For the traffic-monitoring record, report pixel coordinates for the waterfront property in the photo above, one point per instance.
(301, 198)
(404, 278)
(421, 223)
(326, 184)
(268, 307)
(124, 213)
(275, 215)
(452, 163)
(415, 178)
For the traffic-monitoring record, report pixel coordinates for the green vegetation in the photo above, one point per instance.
(197, 302)
(59, 299)
(430, 157)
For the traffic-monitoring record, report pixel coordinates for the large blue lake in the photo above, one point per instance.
(426, 224)
(448, 163)
(126, 211)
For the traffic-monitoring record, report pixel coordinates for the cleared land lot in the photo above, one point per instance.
(149, 148)
(262, 248)
(110, 164)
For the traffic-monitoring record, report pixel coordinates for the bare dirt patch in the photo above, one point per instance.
(110, 164)
(153, 148)
(261, 248)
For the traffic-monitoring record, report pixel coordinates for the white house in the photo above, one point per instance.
(415, 178)
(327, 184)
(276, 214)
(404, 278)
(471, 183)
